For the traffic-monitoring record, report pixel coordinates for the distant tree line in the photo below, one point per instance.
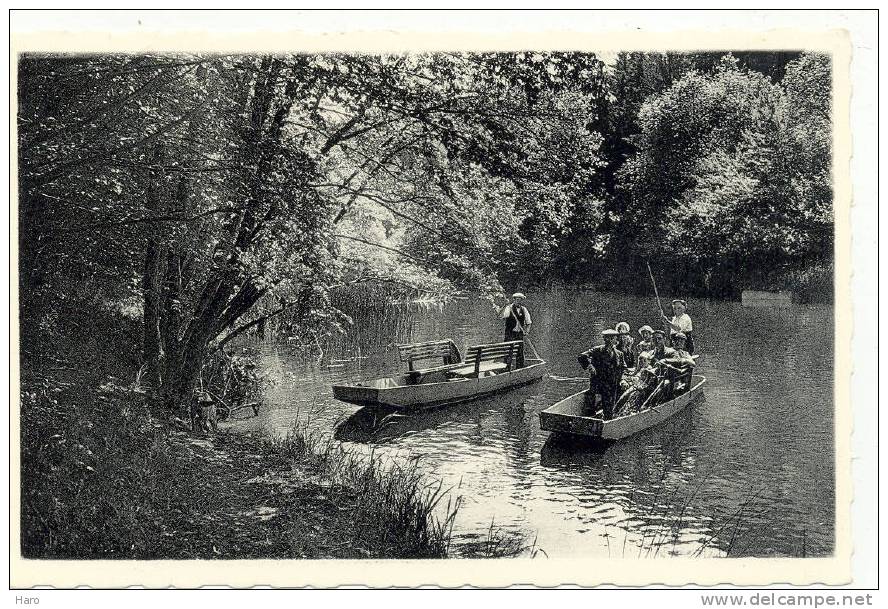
(208, 195)
(718, 173)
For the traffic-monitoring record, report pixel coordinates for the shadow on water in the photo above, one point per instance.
(376, 425)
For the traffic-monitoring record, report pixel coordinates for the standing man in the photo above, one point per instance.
(517, 320)
(681, 322)
(605, 364)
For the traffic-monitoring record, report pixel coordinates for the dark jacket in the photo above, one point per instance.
(605, 365)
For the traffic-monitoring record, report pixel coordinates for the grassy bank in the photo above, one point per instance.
(106, 473)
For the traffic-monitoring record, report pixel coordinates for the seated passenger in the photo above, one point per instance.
(660, 350)
(645, 344)
(680, 357)
(625, 344)
(678, 367)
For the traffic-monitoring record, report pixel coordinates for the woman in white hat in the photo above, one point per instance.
(645, 344)
(625, 343)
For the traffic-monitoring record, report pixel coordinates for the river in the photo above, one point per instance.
(748, 470)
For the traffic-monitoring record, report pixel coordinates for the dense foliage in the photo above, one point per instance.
(210, 195)
(732, 176)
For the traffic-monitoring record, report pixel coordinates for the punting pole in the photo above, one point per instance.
(656, 293)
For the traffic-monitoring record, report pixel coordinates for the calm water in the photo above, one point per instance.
(747, 470)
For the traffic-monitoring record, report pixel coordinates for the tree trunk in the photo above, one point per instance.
(226, 293)
(153, 275)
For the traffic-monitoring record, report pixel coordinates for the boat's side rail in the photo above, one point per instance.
(445, 349)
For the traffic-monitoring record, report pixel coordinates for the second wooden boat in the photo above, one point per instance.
(487, 369)
(571, 416)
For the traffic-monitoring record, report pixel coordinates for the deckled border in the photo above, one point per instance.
(451, 573)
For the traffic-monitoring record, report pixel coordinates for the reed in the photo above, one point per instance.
(396, 506)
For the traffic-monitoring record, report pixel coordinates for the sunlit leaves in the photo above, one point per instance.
(734, 169)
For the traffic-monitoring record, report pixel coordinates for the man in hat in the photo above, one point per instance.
(680, 357)
(517, 320)
(605, 364)
(681, 322)
(659, 350)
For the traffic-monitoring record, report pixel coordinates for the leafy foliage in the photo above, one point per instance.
(735, 172)
(221, 192)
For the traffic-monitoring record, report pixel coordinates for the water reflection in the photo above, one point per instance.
(747, 470)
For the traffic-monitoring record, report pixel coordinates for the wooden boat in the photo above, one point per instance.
(487, 369)
(571, 415)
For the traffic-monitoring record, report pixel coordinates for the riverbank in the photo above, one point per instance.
(107, 473)
(810, 281)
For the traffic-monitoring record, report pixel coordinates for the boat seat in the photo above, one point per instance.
(445, 349)
(470, 371)
(495, 358)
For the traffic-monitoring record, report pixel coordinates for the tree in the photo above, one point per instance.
(734, 172)
(225, 191)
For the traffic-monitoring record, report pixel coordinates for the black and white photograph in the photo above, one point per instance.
(518, 304)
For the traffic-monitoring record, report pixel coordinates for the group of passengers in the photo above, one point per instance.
(630, 376)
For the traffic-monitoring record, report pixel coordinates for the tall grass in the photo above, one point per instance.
(395, 504)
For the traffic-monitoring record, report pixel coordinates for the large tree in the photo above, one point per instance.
(228, 190)
(731, 179)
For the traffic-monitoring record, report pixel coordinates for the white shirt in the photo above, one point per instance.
(507, 313)
(683, 322)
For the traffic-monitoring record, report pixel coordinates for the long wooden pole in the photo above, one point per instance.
(656, 293)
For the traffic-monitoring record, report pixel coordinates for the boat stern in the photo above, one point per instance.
(570, 424)
(356, 394)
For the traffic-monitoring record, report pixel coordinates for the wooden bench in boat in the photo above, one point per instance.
(495, 357)
(417, 352)
(445, 349)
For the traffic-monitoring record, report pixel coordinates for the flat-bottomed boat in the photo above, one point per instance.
(571, 415)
